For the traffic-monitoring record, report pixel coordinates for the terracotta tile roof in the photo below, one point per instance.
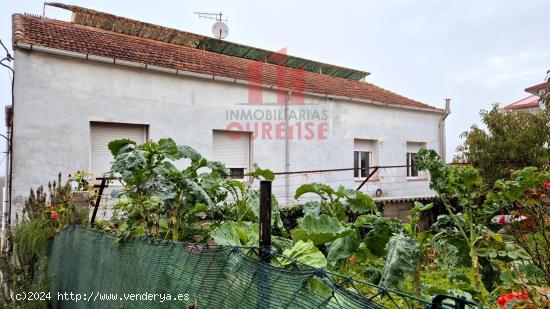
(87, 40)
(529, 102)
(102, 20)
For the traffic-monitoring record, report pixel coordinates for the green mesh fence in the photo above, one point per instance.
(139, 274)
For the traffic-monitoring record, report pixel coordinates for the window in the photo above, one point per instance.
(232, 149)
(412, 149)
(364, 157)
(361, 165)
(412, 171)
(101, 133)
(236, 173)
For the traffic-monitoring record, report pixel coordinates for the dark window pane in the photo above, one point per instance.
(414, 171)
(356, 164)
(408, 165)
(363, 164)
(236, 173)
(367, 165)
(411, 167)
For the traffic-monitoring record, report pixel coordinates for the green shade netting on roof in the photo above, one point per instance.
(90, 264)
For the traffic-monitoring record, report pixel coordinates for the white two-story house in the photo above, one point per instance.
(99, 77)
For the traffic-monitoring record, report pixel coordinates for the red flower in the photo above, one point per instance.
(502, 219)
(547, 185)
(53, 214)
(502, 300)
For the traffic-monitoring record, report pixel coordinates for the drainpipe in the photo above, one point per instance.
(6, 191)
(442, 139)
(6, 205)
(287, 151)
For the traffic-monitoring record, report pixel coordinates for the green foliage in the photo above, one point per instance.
(304, 252)
(447, 258)
(422, 238)
(162, 201)
(525, 199)
(117, 145)
(377, 231)
(402, 259)
(467, 225)
(241, 234)
(24, 269)
(342, 248)
(512, 140)
(462, 253)
(320, 230)
(436, 280)
(336, 203)
(460, 188)
(259, 173)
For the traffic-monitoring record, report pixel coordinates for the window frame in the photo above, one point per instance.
(360, 172)
(411, 169)
(240, 176)
(370, 146)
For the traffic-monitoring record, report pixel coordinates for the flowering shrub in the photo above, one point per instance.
(46, 212)
(503, 300)
(525, 201)
(53, 214)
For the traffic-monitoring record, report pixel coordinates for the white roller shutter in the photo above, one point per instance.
(368, 145)
(364, 145)
(232, 148)
(102, 133)
(414, 147)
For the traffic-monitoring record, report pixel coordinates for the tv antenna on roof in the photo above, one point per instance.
(219, 28)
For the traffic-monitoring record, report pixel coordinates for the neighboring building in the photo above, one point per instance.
(80, 84)
(532, 102)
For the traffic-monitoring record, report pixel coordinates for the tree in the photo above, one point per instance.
(512, 140)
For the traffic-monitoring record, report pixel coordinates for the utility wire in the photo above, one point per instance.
(8, 58)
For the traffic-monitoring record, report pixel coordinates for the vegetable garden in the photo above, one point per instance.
(490, 245)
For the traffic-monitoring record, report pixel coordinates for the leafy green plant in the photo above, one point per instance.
(304, 252)
(344, 223)
(243, 203)
(402, 258)
(320, 230)
(241, 234)
(376, 231)
(160, 200)
(460, 190)
(335, 203)
(81, 181)
(422, 238)
(23, 269)
(525, 200)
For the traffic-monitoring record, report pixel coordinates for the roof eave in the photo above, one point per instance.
(64, 53)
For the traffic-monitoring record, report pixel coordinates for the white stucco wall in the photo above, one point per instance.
(56, 98)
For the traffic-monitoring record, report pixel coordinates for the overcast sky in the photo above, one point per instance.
(475, 52)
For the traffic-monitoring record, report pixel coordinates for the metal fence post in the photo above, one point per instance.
(265, 221)
(98, 200)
